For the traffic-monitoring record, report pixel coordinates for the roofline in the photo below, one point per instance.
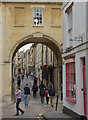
(33, 1)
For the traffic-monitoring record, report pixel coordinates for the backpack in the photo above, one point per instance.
(53, 92)
(42, 92)
(35, 88)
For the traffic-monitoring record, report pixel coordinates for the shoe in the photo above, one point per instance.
(52, 105)
(22, 113)
(16, 114)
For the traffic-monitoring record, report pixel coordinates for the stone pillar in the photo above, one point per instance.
(7, 81)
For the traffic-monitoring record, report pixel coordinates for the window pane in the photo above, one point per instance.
(38, 14)
(70, 81)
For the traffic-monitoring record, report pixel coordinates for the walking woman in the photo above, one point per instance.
(18, 95)
(47, 95)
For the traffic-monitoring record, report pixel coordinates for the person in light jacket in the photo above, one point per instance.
(18, 95)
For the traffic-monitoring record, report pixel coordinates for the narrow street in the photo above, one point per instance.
(35, 109)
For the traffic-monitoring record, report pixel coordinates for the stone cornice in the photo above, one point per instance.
(33, 1)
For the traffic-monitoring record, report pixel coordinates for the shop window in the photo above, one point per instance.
(70, 82)
(37, 16)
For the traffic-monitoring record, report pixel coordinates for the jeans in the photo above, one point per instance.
(42, 99)
(17, 106)
(26, 99)
(47, 100)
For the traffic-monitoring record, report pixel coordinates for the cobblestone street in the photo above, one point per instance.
(35, 109)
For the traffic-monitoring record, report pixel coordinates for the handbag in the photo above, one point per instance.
(30, 98)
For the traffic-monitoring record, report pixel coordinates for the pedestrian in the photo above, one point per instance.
(47, 95)
(34, 89)
(41, 85)
(22, 76)
(51, 94)
(18, 95)
(26, 94)
(19, 81)
(27, 75)
(35, 80)
(42, 94)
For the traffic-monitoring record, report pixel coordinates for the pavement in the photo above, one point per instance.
(35, 110)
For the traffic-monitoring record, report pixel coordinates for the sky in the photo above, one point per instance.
(25, 47)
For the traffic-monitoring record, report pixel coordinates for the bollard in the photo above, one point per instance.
(56, 102)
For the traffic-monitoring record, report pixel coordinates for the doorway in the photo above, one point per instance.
(84, 87)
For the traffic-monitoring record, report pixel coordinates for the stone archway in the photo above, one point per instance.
(37, 38)
(32, 38)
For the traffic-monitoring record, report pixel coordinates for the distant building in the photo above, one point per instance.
(18, 62)
(46, 66)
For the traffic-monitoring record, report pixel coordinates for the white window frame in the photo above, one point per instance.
(37, 22)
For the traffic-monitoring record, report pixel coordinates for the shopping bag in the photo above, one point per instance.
(29, 98)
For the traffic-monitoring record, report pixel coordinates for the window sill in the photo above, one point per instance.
(37, 25)
(19, 26)
(70, 100)
(56, 26)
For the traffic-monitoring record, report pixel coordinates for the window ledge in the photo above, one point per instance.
(58, 26)
(37, 25)
(70, 100)
(19, 26)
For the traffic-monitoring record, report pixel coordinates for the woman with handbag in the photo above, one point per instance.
(47, 95)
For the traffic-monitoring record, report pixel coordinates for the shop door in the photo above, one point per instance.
(84, 87)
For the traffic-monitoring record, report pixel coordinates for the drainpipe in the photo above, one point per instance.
(46, 55)
(42, 62)
(53, 70)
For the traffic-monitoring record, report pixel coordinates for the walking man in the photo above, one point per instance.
(19, 81)
(27, 75)
(51, 94)
(18, 95)
(42, 94)
(26, 94)
(34, 89)
(22, 76)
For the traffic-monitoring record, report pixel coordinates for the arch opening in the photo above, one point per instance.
(37, 38)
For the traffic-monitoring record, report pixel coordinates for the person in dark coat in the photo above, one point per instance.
(27, 75)
(42, 94)
(51, 94)
(19, 81)
(41, 85)
(35, 80)
(26, 94)
(22, 76)
(34, 89)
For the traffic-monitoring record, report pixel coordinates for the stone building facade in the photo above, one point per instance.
(28, 22)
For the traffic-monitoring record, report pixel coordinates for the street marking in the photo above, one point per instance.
(39, 115)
